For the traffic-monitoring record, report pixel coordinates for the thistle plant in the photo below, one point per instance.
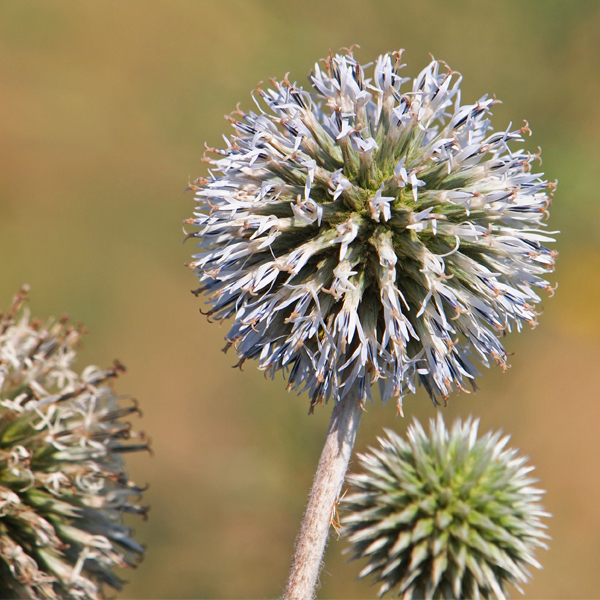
(444, 514)
(63, 484)
(360, 233)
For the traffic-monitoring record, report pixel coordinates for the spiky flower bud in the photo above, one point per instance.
(444, 514)
(63, 484)
(361, 233)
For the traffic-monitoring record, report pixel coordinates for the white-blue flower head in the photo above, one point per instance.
(364, 233)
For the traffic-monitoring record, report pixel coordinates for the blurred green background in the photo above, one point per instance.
(104, 110)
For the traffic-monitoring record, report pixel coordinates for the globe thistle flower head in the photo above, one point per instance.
(362, 232)
(63, 484)
(444, 514)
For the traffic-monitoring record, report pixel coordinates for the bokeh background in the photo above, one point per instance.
(104, 110)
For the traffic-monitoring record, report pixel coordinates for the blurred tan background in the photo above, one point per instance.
(104, 110)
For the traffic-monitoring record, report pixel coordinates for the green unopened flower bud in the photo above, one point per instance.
(63, 484)
(445, 514)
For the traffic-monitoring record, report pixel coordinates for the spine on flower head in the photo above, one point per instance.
(63, 484)
(364, 233)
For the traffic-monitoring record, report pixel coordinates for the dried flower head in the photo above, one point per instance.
(444, 514)
(63, 485)
(360, 233)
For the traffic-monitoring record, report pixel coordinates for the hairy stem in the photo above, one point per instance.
(323, 498)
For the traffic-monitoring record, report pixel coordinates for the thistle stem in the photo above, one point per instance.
(329, 478)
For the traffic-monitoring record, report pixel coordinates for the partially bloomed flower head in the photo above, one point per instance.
(63, 484)
(444, 514)
(366, 232)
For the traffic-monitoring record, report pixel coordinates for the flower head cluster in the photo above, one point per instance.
(444, 514)
(63, 485)
(364, 233)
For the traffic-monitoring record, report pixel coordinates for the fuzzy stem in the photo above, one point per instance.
(329, 478)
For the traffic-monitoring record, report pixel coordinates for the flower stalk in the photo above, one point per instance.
(329, 478)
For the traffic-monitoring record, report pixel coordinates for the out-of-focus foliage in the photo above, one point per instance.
(105, 108)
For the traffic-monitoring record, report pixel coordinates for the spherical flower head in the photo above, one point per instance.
(363, 233)
(444, 514)
(63, 484)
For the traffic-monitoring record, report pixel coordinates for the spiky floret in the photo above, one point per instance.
(444, 514)
(63, 484)
(358, 233)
